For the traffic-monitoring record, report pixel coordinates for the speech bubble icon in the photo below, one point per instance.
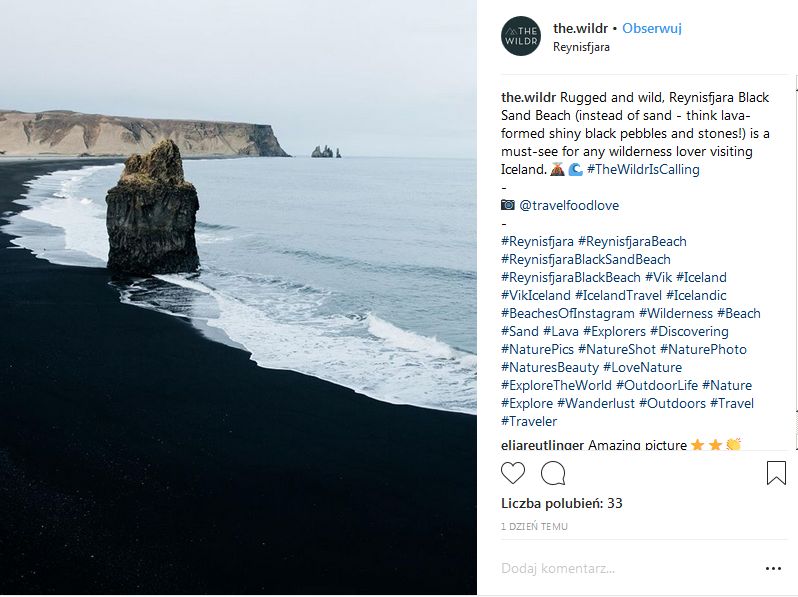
(553, 473)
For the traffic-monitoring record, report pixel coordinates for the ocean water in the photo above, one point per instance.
(359, 271)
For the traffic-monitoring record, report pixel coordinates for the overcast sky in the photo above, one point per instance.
(371, 76)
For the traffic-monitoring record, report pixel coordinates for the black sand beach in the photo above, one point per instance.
(138, 456)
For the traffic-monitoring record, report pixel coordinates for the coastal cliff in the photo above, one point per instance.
(151, 215)
(61, 132)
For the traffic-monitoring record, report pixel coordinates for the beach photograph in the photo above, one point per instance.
(238, 278)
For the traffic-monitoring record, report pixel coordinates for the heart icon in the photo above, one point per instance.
(512, 471)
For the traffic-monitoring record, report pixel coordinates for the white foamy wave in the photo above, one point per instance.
(54, 202)
(368, 355)
(399, 338)
(185, 282)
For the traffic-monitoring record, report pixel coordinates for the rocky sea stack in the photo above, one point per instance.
(151, 215)
(327, 152)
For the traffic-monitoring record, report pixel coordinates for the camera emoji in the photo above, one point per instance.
(508, 204)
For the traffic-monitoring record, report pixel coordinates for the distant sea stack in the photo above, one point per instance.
(61, 132)
(151, 215)
(325, 153)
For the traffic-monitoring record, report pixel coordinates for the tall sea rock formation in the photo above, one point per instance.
(151, 215)
(322, 153)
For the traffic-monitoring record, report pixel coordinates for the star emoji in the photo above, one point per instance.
(715, 444)
(697, 445)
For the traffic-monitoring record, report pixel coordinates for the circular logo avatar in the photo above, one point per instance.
(521, 36)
